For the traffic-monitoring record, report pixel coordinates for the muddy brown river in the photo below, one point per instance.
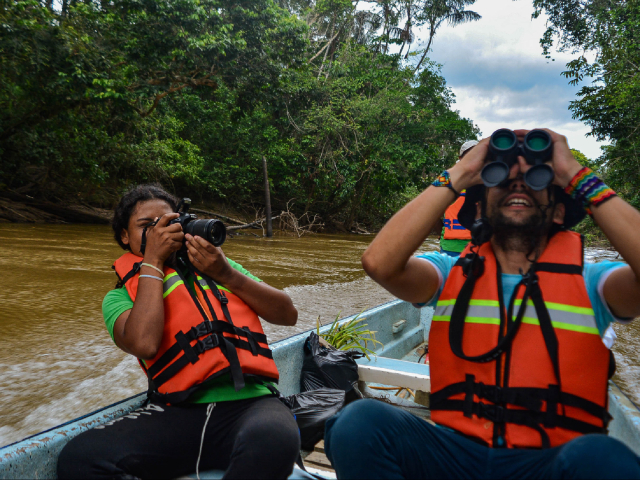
(58, 362)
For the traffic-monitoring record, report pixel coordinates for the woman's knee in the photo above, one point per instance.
(77, 459)
(275, 431)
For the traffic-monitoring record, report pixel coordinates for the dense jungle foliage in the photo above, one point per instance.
(604, 35)
(96, 95)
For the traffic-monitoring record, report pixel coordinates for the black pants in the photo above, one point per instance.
(254, 438)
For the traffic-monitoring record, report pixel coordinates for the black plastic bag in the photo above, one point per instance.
(312, 410)
(324, 367)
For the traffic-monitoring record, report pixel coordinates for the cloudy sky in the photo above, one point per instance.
(499, 76)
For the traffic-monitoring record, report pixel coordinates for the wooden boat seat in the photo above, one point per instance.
(400, 373)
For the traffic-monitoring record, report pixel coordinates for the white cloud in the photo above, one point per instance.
(500, 78)
(503, 108)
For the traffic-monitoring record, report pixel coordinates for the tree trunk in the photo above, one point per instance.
(267, 198)
(431, 34)
(357, 201)
(325, 52)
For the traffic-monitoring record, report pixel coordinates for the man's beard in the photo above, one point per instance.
(515, 236)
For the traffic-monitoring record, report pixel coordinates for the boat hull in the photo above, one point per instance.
(399, 326)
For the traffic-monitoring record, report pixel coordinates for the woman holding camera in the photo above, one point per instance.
(192, 322)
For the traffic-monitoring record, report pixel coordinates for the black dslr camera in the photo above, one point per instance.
(213, 231)
(504, 150)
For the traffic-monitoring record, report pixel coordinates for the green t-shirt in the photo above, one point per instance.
(454, 245)
(220, 389)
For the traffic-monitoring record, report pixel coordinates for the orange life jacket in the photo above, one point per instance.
(535, 381)
(452, 228)
(207, 333)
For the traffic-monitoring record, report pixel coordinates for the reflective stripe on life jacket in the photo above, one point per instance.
(452, 228)
(207, 332)
(537, 380)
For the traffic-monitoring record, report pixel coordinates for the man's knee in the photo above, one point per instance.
(597, 456)
(366, 419)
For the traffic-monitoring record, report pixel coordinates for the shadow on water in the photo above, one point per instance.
(57, 360)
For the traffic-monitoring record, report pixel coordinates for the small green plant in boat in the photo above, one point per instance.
(352, 335)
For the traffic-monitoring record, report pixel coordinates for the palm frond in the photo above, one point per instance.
(464, 16)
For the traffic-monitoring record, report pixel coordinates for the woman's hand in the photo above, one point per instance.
(209, 259)
(269, 303)
(163, 239)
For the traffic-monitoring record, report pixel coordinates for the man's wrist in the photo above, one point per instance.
(565, 179)
(444, 180)
(459, 177)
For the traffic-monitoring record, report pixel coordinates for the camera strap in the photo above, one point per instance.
(143, 243)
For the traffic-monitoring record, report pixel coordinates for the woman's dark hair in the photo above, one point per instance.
(128, 203)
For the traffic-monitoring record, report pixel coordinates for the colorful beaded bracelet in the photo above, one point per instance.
(444, 180)
(588, 189)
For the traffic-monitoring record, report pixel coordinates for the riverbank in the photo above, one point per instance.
(16, 208)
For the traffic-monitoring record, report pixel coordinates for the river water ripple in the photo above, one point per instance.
(58, 362)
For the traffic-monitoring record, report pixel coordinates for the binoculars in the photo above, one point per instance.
(504, 150)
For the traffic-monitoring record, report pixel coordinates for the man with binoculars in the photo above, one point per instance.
(520, 340)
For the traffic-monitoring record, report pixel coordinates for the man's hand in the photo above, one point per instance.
(466, 173)
(163, 239)
(564, 164)
(209, 259)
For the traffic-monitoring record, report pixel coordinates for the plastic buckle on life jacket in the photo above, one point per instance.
(492, 393)
(200, 330)
(495, 413)
(223, 298)
(207, 343)
(530, 278)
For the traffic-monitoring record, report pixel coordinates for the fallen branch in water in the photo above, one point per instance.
(257, 223)
(299, 225)
(224, 217)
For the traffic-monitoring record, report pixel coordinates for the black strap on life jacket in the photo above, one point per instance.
(130, 273)
(459, 313)
(206, 340)
(528, 399)
(206, 328)
(225, 344)
(208, 335)
(473, 269)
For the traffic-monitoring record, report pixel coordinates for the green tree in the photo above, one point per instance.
(610, 31)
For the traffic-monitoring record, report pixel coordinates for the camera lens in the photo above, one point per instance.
(213, 231)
